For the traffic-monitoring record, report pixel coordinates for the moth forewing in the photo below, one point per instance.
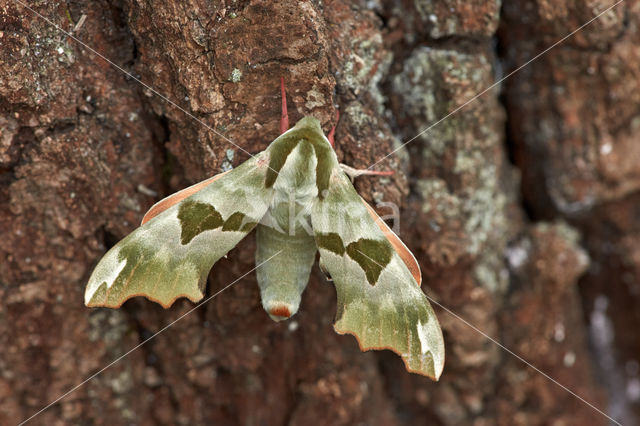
(379, 300)
(399, 247)
(175, 198)
(170, 255)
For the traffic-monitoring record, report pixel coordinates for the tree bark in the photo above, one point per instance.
(521, 207)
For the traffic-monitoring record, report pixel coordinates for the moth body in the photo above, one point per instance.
(286, 227)
(282, 283)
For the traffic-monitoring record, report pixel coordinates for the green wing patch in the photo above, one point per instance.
(196, 217)
(372, 256)
(330, 241)
(238, 221)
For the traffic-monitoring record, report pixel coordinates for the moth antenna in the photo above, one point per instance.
(284, 119)
(354, 173)
(332, 132)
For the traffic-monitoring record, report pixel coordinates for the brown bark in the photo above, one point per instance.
(574, 122)
(86, 150)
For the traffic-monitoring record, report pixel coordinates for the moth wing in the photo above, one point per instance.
(400, 248)
(175, 198)
(379, 301)
(170, 255)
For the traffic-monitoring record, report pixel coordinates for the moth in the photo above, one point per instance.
(301, 201)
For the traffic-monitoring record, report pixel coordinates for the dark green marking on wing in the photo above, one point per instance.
(196, 217)
(372, 256)
(330, 241)
(238, 222)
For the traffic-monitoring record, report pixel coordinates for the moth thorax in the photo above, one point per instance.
(295, 191)
(298, 174)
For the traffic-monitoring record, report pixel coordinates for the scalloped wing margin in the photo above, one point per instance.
(379, 301)
(170, 255)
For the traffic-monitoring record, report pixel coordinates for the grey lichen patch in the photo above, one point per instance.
(109, 326)
(560, 227)
(466, 206)
(65, 53)
(453, 17)
(433, 83)
(315, 98)
(121, 383)
(227, 163)
(365, 67)
(378, 197)
(130, 203)
(436, 190)
(490, 272)
(566, 198)
(419, 75)
(235, 76)
(484, 208)
(32, 59)
(358, 115)
(8, 130)
(466, 162)
(480, 207)
(362, 122)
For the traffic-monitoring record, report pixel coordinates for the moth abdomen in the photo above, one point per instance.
(279, 310)
(283, 280)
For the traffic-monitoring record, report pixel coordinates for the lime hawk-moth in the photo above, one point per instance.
(301, 201)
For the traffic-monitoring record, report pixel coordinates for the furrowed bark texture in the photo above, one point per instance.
(528, 235)
(575, 127)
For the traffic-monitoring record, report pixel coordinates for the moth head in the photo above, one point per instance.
(308, 122)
